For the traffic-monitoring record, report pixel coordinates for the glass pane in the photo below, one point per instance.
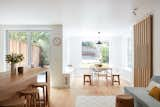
(93, 53)
(105, 52)
(18, 45)
(129, 56)
(89, 51)
(40, 48)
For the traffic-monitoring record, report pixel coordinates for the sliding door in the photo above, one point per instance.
(18, 45)
(40, 48)
(34, 45)
(143, 52)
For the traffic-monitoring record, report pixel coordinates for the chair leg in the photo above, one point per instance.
(84, 80)
(90, 80)
(118, 80)
(98, 76)
(106, 77)
(32, 101)
(28, 101)
(47, 95)
(39, 100)
(112, 80)
(44, 97)
(35, 100)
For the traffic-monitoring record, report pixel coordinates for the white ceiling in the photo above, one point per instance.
(79, 17)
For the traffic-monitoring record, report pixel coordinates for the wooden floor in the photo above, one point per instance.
(67, 97)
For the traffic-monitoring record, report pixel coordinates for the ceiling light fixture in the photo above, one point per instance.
(99, 42)
(134, 11)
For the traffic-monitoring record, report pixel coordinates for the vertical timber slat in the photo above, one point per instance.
(143, 52)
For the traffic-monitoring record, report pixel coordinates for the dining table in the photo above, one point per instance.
(10, 83)
(102, 70)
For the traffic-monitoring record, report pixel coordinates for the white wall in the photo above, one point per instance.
(127, 72)
(78, 16)
(65, 52)
(118, 57)
(75, 50)
(156, 42)
(2, 50)
(117, 53)
(56, 58)
(152, 7)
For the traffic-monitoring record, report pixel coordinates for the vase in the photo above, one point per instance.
(13, 68)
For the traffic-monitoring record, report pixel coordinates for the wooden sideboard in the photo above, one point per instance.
(10, 84)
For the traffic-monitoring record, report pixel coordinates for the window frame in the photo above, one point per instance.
(109, 46)
(28, 29)
(129, 51)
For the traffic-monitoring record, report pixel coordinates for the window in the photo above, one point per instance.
(40, 48)
(105, 52)
(129, 53)
(18, 44)
(91, 52)
(34, 45)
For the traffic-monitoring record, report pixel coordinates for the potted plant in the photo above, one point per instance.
(13, 59)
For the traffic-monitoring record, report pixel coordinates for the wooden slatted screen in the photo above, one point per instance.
(143, 52)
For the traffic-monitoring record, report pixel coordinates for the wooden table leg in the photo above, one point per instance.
(47, 90)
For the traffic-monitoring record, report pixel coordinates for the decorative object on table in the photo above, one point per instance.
(13, 59)
(20, 70)
(98, 65)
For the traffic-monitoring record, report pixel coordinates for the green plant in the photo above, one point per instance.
(105, 54)
(14, 58)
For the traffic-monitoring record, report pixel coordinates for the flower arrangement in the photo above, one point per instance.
(14, 58)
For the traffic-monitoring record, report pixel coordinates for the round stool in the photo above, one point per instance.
(113, 78)
(13, 102)
(44, 87)
(31, 96)
(124, 101)
(89, 78)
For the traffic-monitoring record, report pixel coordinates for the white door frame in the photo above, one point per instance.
(28, 29)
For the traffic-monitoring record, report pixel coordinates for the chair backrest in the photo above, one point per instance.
(156, 79)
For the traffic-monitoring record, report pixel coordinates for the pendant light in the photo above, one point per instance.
(99, 42)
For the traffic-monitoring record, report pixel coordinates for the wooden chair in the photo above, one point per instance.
(114, 80)
(31, 96)
(115, 77)
(44, 87)
(87, 78)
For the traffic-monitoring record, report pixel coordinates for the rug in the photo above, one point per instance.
(95, 101)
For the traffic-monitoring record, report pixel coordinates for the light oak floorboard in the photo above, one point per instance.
(67, 97)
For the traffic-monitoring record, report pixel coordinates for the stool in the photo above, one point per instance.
(124, 101)
(89, 78)
(13, 102)
(31, 96)
(113, 78)
(44, 86)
